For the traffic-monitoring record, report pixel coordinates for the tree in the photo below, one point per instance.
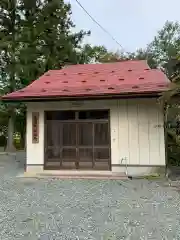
(144, 54)
(170, 100)
(9, 26)
(35, 36)
(166, 46)
(92, 54)
(97, 54)
(46, 38)
(57, 43)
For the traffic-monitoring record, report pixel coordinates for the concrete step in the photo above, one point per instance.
(75, 175)
(84, 177)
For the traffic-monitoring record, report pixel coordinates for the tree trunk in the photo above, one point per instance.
(23, 140)
(10, 145)
(12, 64)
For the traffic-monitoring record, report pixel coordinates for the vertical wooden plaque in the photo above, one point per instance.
(35, 127)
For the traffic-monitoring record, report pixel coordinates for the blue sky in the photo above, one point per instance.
(133, 23)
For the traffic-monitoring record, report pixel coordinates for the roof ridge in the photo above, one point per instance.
(93, 64)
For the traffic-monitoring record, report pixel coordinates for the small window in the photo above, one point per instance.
(93, 114)
(60, 115)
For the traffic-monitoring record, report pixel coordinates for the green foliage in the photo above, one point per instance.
(144, 54)
(47, 41)
(35, 36)
(90, 54)
(166, 46)
(173, 148)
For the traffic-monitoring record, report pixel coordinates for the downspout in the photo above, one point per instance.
(126, 165)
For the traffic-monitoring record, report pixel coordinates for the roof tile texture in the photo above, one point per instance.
(96, 79)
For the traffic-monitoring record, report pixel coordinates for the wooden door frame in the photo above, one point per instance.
(79, 121)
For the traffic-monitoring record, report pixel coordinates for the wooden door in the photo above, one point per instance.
(77, 144)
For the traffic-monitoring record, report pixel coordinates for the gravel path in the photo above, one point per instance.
(85, 209)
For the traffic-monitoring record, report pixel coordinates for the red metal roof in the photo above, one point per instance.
(126, 77)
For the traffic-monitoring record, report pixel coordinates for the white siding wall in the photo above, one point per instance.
(141, 132)
(137, 132)
(35, 151)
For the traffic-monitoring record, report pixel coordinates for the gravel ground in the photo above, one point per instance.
(85, 209)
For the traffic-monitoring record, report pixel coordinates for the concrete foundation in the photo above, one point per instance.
(140, 170)
(134, 171)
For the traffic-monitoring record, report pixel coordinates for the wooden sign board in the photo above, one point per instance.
(77, 103)
(35, 127)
